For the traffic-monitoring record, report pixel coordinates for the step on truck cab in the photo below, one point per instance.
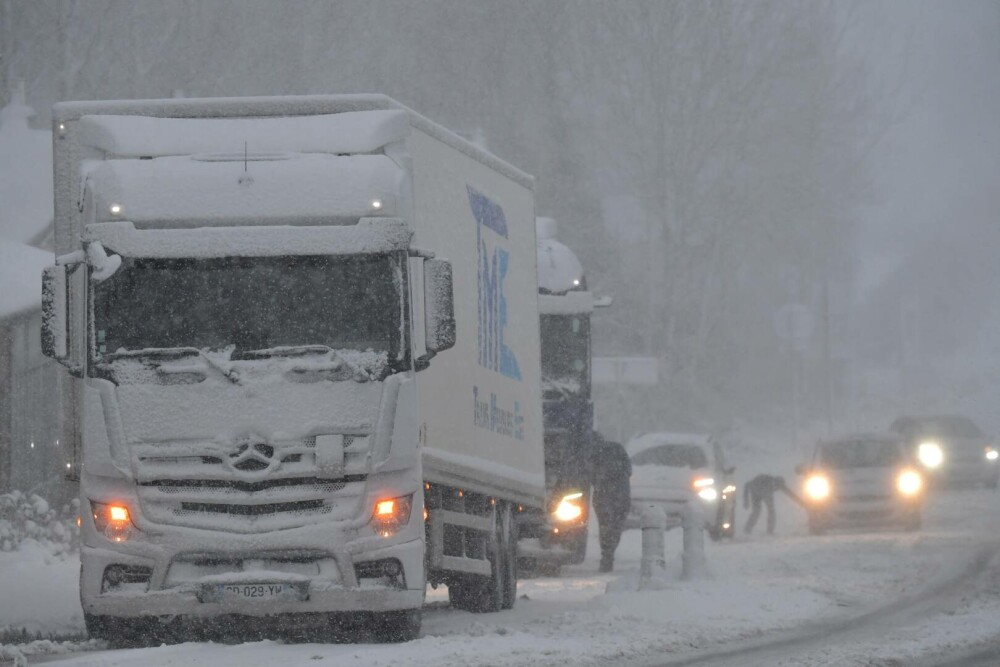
(304, 333)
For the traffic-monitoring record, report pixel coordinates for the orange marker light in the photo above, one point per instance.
(118, 513)
(385, 508)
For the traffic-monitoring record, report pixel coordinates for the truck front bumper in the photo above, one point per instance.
(178, 586)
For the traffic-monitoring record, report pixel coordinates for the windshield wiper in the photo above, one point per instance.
(281, 351)
(177, 353)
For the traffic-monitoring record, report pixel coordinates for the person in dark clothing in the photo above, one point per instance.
(611, 470)
(760, 491)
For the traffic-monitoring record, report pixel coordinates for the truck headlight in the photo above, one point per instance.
(930, 454)
(570, 508)
(113, 520)
(817, 488)
(391, 514)
(909, 483)
(991, 454)
(708, 493)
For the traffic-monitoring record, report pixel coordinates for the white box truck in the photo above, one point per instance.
(305, 332)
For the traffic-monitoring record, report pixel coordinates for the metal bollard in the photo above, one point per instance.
(693, 558)
(654, 522)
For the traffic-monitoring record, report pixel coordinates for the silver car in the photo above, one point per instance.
(951, 449)
(862, 480)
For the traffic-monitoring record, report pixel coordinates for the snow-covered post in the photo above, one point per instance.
(653, 524)
(693, 558)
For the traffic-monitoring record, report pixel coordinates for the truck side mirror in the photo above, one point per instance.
(439, 306)
(55, 317)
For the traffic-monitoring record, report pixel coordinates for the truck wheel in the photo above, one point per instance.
(126, 632)
(480, 594)
(508, 548)
(393, 627)
(579, 547)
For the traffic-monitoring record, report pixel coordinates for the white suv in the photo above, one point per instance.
(670, 469)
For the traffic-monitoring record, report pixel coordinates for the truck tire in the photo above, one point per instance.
(393, 627)
(508, 549)
(480, 594)
(578, 546)
(126, 632)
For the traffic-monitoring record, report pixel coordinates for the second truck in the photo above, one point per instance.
(558, 536)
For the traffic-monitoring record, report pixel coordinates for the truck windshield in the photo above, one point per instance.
(565, 355)
(252, 303)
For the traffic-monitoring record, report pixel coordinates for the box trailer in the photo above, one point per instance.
(304, 332)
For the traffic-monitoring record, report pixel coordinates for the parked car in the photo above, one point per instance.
(862, 480)
(671, 469)
(951, 449)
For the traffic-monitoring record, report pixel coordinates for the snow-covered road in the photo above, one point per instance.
(841, 599)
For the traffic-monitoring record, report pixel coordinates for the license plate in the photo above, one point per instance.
(256, 591)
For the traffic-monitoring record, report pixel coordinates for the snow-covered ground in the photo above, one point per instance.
(756, 588)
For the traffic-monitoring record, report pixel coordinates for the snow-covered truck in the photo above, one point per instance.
(305, 332)
(559, 536)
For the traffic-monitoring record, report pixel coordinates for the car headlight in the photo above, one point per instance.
(705, 488)
(708, 493)
(909, 483)
(930, 454)
(991, 454)
(817, 488)
(570, 508)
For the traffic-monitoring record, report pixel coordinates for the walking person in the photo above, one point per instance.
(611, 470)
(760, 491)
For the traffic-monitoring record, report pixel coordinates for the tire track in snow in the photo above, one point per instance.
(795, 646)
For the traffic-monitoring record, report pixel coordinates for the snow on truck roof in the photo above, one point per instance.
(649, 440)
(558, 266)
(141, 136)
(367, 129)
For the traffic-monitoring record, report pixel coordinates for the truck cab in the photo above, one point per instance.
(559, 536)
(249, 295)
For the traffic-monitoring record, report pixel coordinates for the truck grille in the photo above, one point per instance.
(252, 487)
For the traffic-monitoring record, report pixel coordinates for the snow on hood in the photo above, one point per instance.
(340, 133)
(274, 189)
(21, 277)
(25, 174)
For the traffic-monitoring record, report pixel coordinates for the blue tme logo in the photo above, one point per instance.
(493, 266)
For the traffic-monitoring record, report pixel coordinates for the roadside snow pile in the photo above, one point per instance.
(19, 654)
(29, 517)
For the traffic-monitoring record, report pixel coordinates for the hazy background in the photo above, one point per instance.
(794, 204)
